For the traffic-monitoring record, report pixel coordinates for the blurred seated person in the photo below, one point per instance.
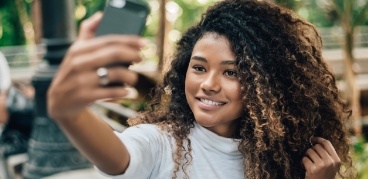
(4, 86)
(16, 112)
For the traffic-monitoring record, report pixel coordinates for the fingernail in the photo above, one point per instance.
(97, 15)
(142, 42)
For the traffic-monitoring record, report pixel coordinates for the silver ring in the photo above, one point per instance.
(102, 73)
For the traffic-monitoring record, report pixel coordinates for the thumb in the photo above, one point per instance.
(89, 26)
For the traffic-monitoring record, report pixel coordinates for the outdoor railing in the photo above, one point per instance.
(333, 37)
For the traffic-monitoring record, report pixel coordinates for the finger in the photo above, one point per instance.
(81, 91)
(130, 40)
(328, 147)
(312, 154)
(111, 92)
(307, 163)
(115, 75)
(98, 93)
(122, 75)
(85, 98)
(321, 151)
(309, 166)
(88, 27)
(91, 45)
(116, 54)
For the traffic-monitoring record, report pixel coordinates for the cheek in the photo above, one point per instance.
(239, 98)
(234, 91)
(238, 95)
(190, 83)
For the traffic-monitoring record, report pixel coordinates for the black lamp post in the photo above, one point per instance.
(49, 150)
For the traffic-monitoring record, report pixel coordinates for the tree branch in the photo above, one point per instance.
(339, 10)
(361, 16)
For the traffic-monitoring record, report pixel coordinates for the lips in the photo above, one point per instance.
(208, 104)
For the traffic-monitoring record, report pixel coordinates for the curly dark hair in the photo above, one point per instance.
(289, 94)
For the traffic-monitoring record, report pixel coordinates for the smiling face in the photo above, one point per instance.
(211, 86)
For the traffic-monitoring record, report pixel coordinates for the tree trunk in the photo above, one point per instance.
(25, 22)
(28, 31)
(163, 44)
(36, 19)
(161, 34)
(352, 89)
(352, 92)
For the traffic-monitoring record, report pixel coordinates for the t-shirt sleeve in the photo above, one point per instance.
(141, 142)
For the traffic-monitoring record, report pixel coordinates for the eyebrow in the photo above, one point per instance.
(202, 59)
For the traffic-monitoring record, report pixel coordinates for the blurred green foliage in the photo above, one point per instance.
(89, 7)
(360, 157)
(11, 30)
(323, 13)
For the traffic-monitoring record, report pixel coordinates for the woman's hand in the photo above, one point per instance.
(77, 84)
(321, 161)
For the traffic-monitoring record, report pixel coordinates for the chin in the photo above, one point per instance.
(204, 122)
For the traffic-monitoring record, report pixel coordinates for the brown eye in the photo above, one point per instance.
(230, 73)
(198, 68)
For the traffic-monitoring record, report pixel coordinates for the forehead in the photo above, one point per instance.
(213, 45)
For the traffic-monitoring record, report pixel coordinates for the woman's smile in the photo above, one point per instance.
(208, 104)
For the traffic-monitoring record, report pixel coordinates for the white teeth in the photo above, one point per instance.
(209, 102)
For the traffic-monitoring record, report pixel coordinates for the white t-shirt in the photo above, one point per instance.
(151, 154)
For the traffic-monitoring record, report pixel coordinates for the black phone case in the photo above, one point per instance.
(130, 19)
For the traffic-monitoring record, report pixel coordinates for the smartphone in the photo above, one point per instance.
(123, 17)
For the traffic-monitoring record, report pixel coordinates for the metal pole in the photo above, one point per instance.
(49, 150)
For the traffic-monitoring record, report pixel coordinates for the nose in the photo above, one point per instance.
(211, 84)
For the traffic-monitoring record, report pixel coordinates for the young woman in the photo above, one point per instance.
(248, 95)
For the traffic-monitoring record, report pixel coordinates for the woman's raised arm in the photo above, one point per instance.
(78, 84)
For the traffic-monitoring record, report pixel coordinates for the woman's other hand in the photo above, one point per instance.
(321, 161)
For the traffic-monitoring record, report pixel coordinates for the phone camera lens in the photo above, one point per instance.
(117, 3)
